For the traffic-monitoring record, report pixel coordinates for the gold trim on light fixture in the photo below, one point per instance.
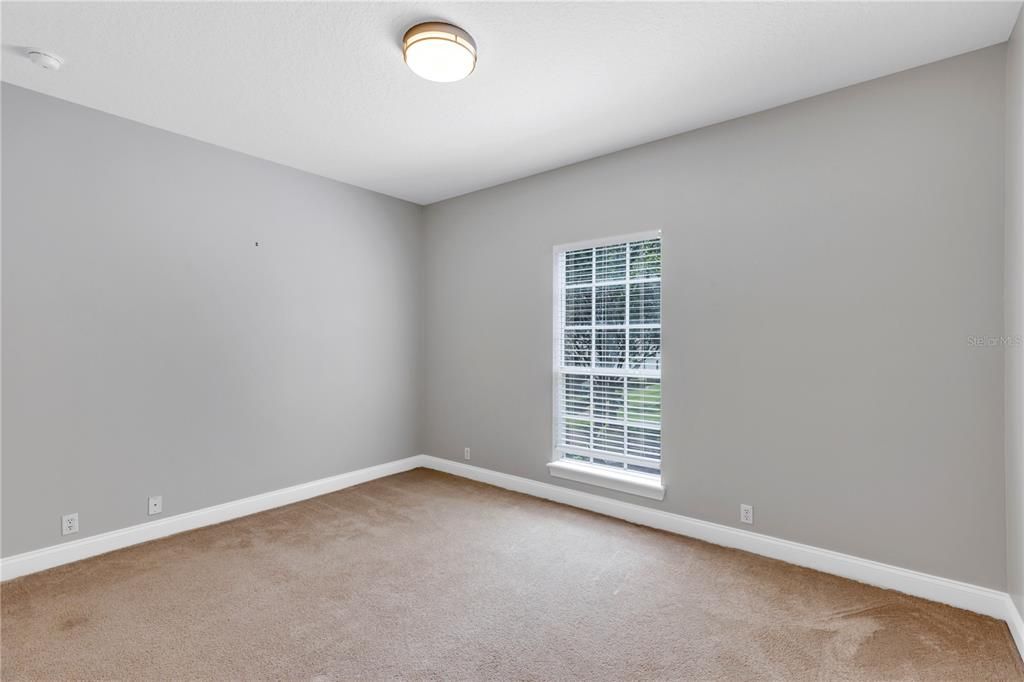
(439, 31)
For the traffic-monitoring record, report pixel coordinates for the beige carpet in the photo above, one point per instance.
(428, 576)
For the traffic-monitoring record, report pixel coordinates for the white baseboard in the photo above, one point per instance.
(64, 553)
(1015, 620)
(962, 595)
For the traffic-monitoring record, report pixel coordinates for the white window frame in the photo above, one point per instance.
(636, 483)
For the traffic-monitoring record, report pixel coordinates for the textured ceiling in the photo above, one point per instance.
(322, 87)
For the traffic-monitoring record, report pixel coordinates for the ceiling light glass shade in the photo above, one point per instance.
(439, 52)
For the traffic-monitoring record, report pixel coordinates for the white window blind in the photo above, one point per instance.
(608, 355)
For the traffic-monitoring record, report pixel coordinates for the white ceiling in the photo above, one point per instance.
(322, 86)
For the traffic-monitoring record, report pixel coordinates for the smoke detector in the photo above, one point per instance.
(47, 60)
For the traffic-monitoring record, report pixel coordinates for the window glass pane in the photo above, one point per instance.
(576, 349)
(645, 349)
(643, 399)
(645, 259)
(576, 432)
(611, 304)
(644, 442)
(607, 463)
(579, 266)
(609, 397)
(611, 262)
(611, 347)
(579, 306)
(576, 395)
(608, 437)
(645, 303)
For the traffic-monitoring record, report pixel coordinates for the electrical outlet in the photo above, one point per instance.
(746, 513)
(156, 504)
(467, 453)
(69, 524)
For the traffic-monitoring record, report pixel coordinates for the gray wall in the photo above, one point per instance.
(150, 347)
(825, 266)
(1014, 302)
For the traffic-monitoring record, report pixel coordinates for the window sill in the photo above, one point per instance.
(633, 484)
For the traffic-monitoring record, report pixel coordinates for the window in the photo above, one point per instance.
(608, 363)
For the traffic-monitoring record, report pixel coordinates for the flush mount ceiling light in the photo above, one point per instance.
(47, 60)
(439, 52)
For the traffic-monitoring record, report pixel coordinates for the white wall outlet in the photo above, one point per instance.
(746, 513)
(69, 524)
(156, 504)
(467, 453)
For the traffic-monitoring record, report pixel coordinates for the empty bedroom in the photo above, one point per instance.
(499, 341)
